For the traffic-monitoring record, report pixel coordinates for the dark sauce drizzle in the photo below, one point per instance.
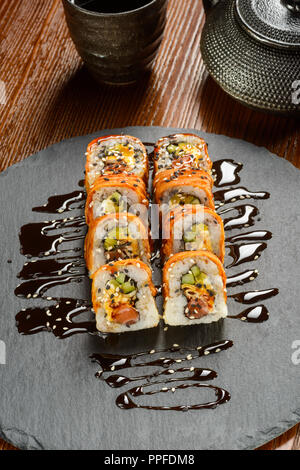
(245, 253)
(111, 362)
(246, 216)
(43, 239)
(251, 297)
(257, 314)
(36, 241)
(62, 203)
(234, 194)
(242, 278)
(226, 172)
(57, 318)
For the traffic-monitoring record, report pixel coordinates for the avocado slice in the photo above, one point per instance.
(115, 197)
(195, 201)
(118, 233)
(109, 206)
(201, 278)
(109, 243)
(198, 275)
(188, 279)
(196, 271)
(114, 283)
(121, 278)
(127, 287)
(189, 237)
(172, 148)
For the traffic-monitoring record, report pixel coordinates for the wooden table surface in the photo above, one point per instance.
(50, 95)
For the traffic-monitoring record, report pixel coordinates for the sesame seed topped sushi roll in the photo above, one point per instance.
(115, 237)
(181, 151)
(116, 155)
(193, 228)
(123, 297)
(194, 284)
(178, 188)
(109, 195)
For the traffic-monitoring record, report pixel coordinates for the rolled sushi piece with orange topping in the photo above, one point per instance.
(194, 286)
(116, 237)
(116, 155)
(109, 195)
(123, 297)
(193, 228)
(181, 151)
(184, 187)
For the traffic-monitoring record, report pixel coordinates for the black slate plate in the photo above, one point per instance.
(49, 396)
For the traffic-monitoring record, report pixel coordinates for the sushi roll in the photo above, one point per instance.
(116, 155)
(123, 297)
(115, 237)
(194, 284)
(181, 151)
(109, 195)
(178, 188)
(193, 228)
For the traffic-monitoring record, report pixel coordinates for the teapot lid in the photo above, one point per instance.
(272, 22)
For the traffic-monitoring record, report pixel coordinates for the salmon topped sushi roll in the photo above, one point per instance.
(193, 228)
(181, 151)
(178, 188)
(115, 237)
(123, 297)
(194, 284)
(116, 155)
(116, 194)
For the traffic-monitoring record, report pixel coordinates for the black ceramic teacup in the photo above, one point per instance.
(117, 43)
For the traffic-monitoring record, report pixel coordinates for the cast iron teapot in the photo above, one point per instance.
(252, 50)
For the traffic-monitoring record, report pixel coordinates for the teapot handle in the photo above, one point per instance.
(209, 4)
(293, 5)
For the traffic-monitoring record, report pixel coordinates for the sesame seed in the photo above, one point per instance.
(206, 353)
